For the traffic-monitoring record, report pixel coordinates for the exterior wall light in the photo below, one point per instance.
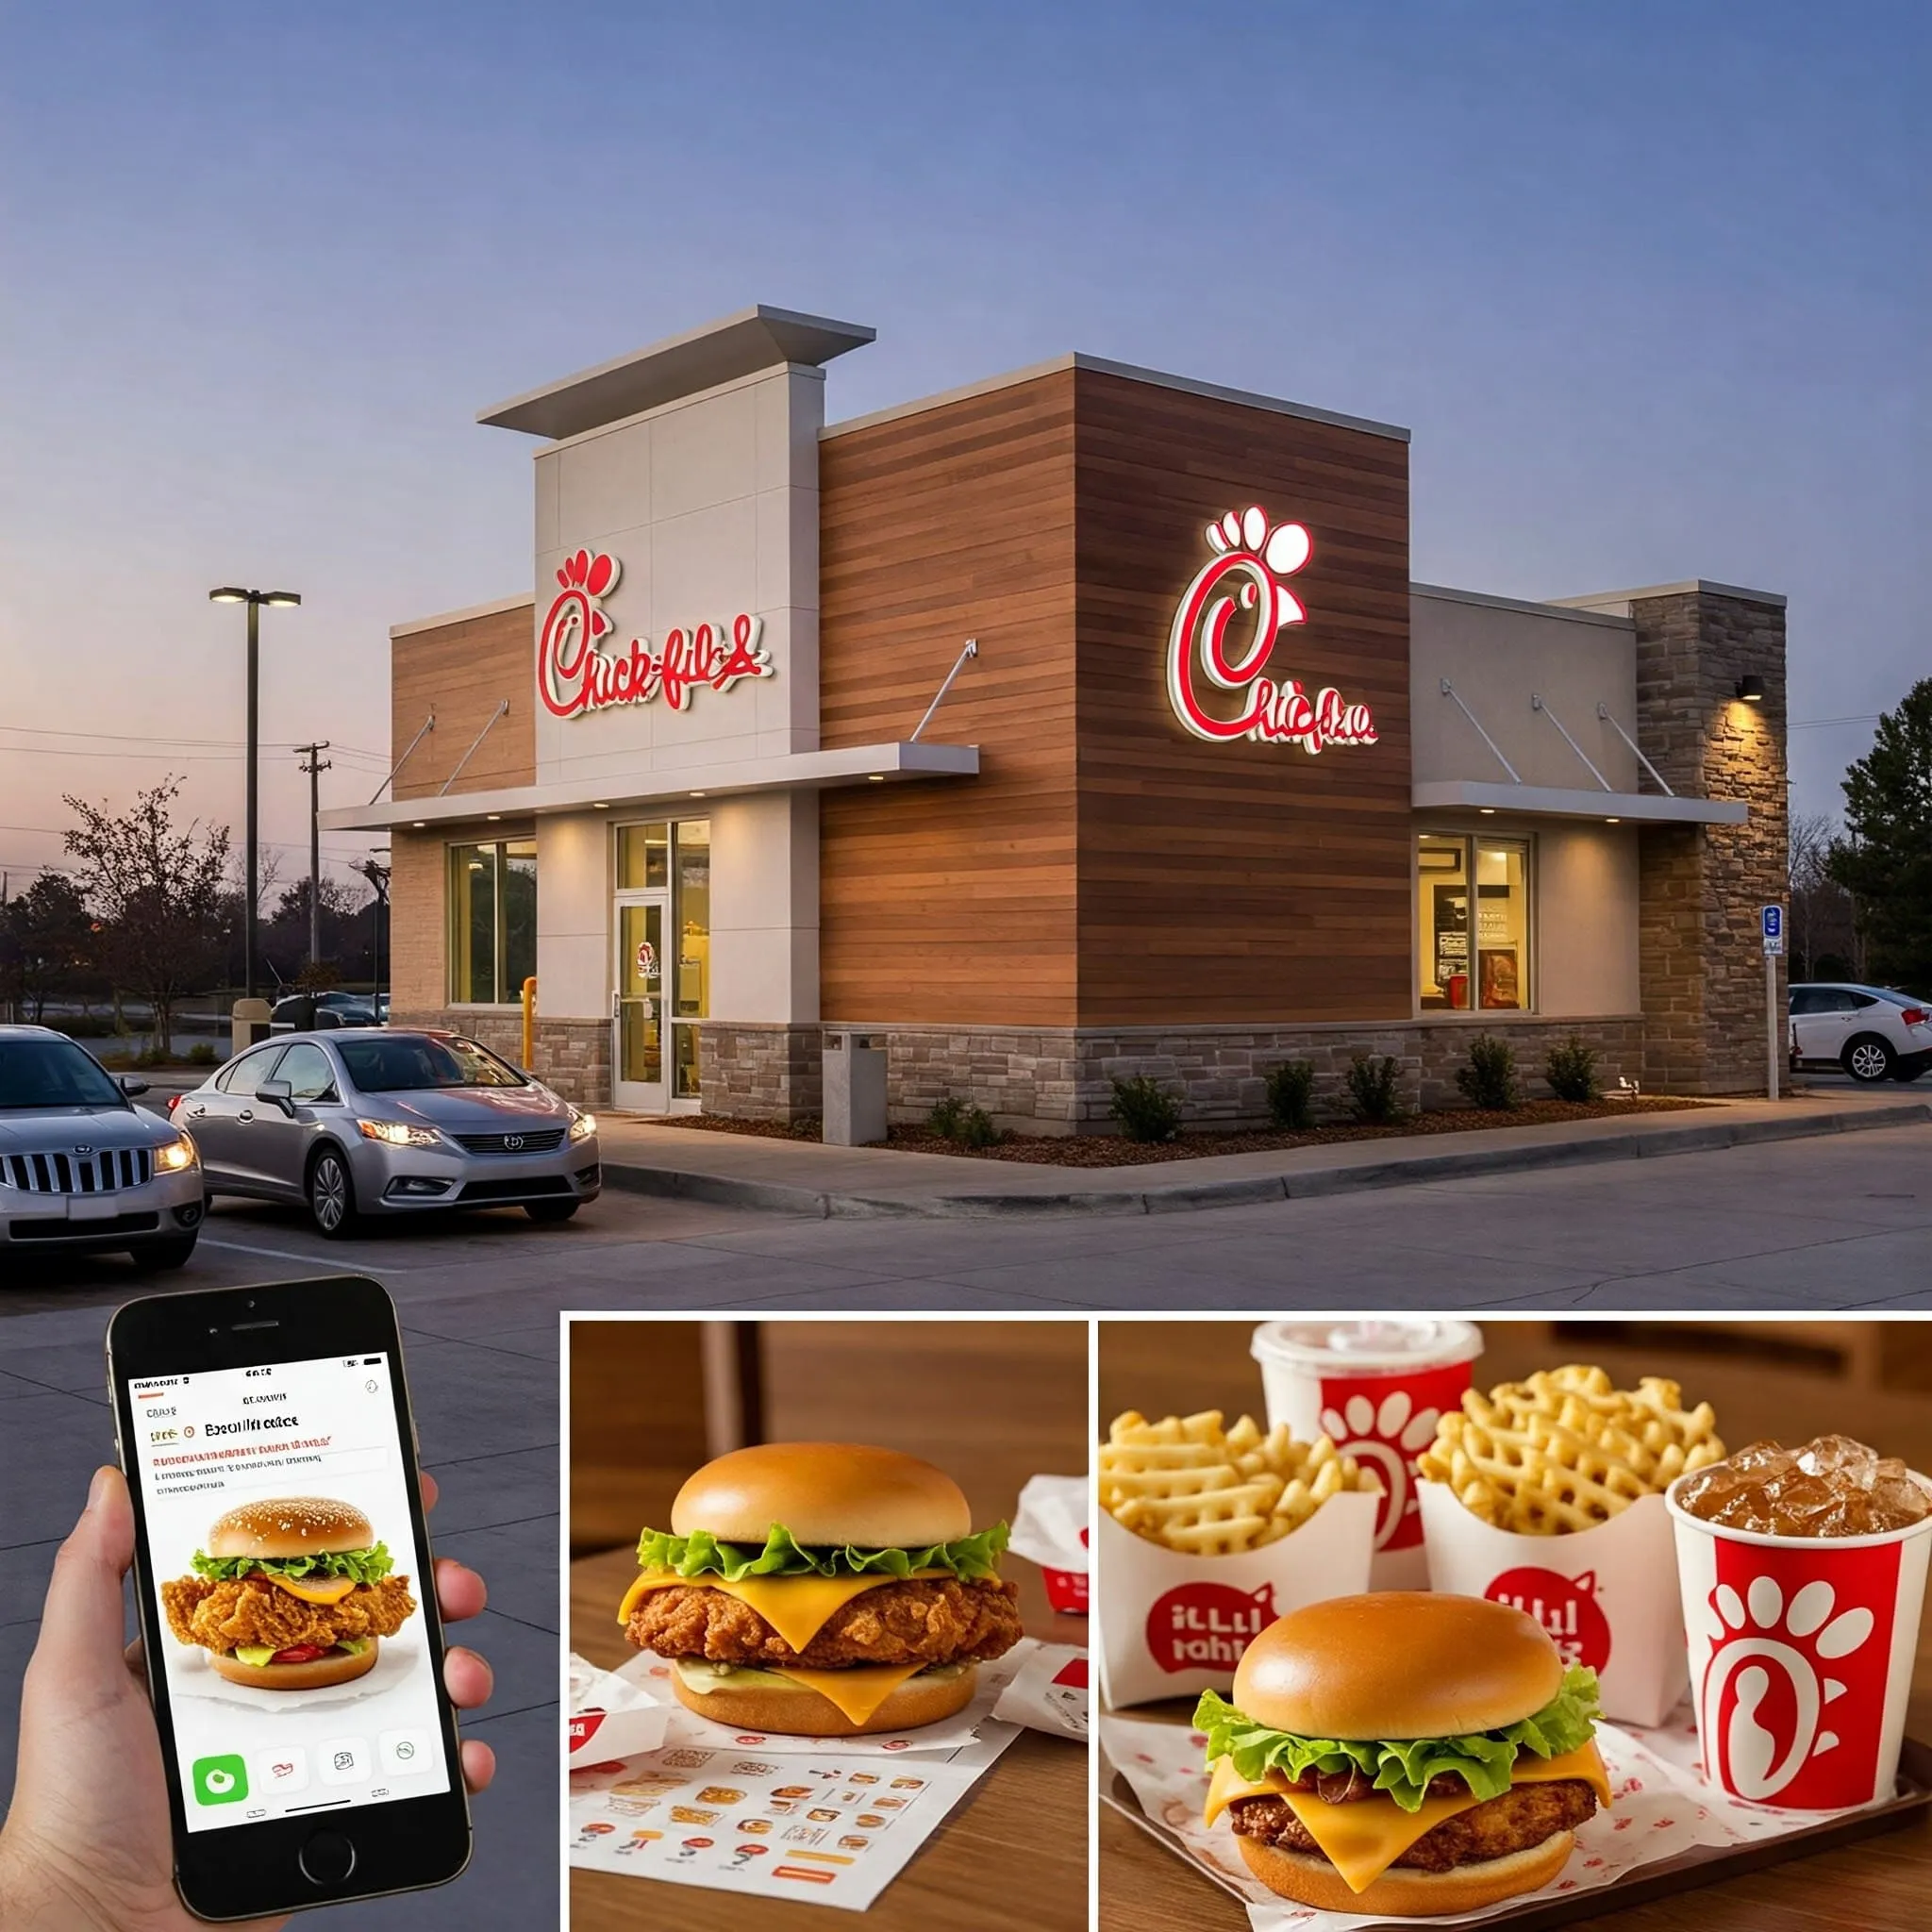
(1751, 688)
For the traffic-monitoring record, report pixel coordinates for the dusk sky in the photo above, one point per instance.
(1648, 282)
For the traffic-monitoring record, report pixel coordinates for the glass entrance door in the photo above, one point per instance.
(637, 1008)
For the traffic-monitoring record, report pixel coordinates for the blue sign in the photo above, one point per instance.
(1774, 922)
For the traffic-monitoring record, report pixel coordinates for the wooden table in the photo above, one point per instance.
(1879, 1885)
(1013, 1851)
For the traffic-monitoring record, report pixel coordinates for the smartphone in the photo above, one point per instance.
(287, 1603)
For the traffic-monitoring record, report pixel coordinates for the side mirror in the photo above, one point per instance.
(131, 1087)
(277, 1093)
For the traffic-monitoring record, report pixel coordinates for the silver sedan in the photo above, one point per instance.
(382, 1122)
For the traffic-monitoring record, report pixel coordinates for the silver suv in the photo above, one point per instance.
(81, 1167)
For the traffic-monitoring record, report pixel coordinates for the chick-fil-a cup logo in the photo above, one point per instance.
(1245, 575)
(1793, 1687)
(1386, 1422)
(1566, 1607)
(578, 674)
(1206, 1624)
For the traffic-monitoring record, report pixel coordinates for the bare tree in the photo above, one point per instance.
(158, 890)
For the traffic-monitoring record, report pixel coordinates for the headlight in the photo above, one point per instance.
(582, 1126)
(179, 1154)
(399, 1134)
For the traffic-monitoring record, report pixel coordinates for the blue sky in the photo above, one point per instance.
(1648, 282)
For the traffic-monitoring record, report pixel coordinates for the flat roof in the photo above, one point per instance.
(467, 615)
(700, 358)
(1131, 372)
(1620, 601)
(1568, 612)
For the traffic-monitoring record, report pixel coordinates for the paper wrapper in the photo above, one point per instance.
(608, 1718)
(1606, 1595)
(1662, 1808)
(649, 1676)
(1174, 1625)
(1049, 1694)
(1050, 1530)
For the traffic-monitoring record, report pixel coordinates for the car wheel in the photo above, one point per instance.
(331, 1196)
(172, 1252)
(551, 1211)
(1868, 1059)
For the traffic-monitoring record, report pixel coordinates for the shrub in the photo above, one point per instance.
(1489, 1081)
(1144, 1108)
(1291, 1094)
(84, 1026)
(964, 1126)
(1372, 1095)
(203, 1054)
(944, 1118)
(1570, 1069)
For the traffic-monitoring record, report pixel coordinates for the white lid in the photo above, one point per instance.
(1371, 1345)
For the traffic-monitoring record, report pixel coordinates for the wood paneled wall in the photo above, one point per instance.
(462, 672)
(1231, 881)
(954, 900)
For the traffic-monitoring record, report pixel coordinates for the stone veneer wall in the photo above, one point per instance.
(572, 1055)
(762, 1072)
(1700, 886)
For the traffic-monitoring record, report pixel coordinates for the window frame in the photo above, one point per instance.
(1529, 988)
(500, 852)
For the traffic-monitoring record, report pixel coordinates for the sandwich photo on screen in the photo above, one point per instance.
(822, 1590)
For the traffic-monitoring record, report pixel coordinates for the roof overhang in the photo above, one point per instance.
(1545, 801)
(809, 771)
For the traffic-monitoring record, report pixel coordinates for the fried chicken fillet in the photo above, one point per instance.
(222, 1617)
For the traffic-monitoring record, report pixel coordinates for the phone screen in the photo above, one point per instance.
(279, 1539)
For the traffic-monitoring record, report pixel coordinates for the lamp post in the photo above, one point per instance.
(230, 594)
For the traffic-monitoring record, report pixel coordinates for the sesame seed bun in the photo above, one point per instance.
(289, 1526)
(823, 1493)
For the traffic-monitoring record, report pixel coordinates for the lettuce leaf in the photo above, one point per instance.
(1402, 1767)
(702, 1554)
(365, 1566)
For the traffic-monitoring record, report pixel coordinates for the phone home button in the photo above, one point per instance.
(327, 1859)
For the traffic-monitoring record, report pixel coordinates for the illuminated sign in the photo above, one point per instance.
(1244, 576)
(576, 673)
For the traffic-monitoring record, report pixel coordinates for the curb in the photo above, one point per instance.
(1417, 1169)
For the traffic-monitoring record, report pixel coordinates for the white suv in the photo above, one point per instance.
(1872, 1032)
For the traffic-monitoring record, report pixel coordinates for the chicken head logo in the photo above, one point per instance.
(1386, 1422)
(1206, 1624)
(1224, 632)
(1792, 1691)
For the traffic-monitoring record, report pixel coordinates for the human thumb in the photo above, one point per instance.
(82, 1624)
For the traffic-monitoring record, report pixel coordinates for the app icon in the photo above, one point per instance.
(406, 1753)
(344, 1760)
(219, 1780)
(278, 1771)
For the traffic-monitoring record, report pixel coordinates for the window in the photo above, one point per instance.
(643, 857)
(691, 910)
(492, 903)
(1468, 963)
(245, 1074)
(306, 1070)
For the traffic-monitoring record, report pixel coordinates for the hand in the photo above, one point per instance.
(87, 1844)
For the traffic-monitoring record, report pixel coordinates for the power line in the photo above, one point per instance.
(151, 738)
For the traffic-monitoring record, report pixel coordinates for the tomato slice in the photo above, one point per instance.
(301, 1654)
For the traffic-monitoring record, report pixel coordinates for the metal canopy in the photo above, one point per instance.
(1546, 801)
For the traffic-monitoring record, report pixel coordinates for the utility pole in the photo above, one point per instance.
(315, 767)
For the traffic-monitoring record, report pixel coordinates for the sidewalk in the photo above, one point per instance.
(806, 1177)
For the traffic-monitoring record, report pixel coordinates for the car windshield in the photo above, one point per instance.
(52, 1073)
(405, 1063)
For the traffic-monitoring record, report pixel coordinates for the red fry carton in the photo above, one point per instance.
(1050, 1529)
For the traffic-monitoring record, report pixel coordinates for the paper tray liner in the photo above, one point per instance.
(1704, 1865)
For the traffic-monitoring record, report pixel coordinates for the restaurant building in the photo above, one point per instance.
(1212, 784)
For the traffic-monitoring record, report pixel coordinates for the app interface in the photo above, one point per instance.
(279, 1541)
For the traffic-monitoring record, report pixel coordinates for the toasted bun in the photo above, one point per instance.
(339, 1667)
(791, 1710)
(823, 1492)
(1398, 1663)
(1309, 1880)
(289, 1526)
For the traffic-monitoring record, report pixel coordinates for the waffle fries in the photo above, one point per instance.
(1190, 1484)
(1566, 1450)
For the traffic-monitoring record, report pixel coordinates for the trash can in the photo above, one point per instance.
(854, 1090)
(249, 1022)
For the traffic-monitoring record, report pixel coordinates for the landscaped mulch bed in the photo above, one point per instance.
(1108, 1150)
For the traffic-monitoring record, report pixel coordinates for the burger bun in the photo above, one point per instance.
(1309, 1880)
(338, 1667)
(783, 1709)
(826, 1494)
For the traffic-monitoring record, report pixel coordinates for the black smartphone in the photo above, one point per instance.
(287, 1603)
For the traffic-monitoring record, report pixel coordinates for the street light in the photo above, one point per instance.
(278, 600)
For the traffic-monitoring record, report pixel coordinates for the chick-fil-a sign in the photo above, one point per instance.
(576, 673)
(1245, 575)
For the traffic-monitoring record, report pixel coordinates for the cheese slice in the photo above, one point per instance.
(797, 1607)
(857, 1690)
(324, 1590)
(1363, 1839)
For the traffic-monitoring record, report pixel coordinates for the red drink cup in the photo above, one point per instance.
(1375, 1388)
(1801, 1656)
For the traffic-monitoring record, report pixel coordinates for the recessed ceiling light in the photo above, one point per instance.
(1613, 822)
(600, 804)
(874, 777)
(419, 824)
(496, 818)
(697, 794)
(1489, 811)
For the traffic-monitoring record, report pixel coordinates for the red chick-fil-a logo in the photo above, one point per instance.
(1206, 1624)
(1566, 1607)
(1250, 559)
(575, 673)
